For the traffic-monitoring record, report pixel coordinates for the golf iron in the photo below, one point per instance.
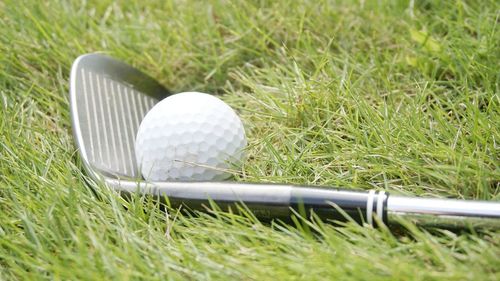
(108, 100)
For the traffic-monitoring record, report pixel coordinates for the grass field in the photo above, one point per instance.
(394, 95)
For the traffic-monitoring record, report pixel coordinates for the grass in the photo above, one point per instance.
(395, 95)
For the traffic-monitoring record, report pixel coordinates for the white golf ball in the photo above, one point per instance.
(189, 137)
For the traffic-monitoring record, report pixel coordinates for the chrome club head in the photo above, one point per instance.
(108, 100)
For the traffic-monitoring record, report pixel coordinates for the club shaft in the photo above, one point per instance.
(270, 201)
(445, 213)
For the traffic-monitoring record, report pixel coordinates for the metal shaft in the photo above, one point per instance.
(445, 213)
(270, 201)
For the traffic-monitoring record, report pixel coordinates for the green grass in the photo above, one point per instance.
(395, 95)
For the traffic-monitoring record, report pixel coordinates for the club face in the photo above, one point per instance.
(108, 100)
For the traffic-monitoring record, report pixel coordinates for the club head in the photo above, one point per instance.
(108, 100)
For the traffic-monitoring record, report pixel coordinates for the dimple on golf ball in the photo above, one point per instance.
(189, 137)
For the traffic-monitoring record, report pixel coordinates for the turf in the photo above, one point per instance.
(394, 95)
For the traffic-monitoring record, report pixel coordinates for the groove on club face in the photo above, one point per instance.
(108, 101)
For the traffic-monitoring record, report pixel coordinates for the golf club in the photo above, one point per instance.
(108, 100)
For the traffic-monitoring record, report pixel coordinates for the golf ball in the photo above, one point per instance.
(189, 137)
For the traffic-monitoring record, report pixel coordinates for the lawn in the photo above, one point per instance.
(394, 95)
